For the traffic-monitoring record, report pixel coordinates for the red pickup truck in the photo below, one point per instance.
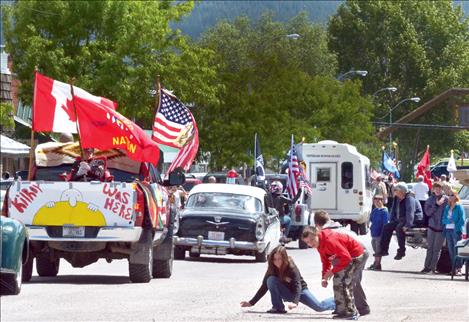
(84, 221)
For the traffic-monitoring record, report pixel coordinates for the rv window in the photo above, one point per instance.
(347, 175)
(323, 175)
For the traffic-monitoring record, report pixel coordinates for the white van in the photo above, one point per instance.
(340, 178)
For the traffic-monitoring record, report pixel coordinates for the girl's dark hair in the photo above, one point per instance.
(287, 263)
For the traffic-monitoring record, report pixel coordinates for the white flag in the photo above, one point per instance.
(451, 167)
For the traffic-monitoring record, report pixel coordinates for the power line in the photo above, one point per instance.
(423, 126)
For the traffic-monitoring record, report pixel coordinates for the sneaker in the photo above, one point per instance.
(399, 256)
(364, 312)
(345, 317)
(276, 311)
(425, 270)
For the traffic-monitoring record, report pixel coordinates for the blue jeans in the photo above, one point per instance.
(451, 239)
(279, 292)
(285, 221)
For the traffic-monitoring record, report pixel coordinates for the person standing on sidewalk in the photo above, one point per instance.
(434, 208)
(453, 220)
(284, 281)
(378, 218)
(341, 257)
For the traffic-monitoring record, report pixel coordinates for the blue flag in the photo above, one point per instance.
(389, 166)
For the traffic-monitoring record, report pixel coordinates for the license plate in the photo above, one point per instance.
(216, 235)
(73, 231)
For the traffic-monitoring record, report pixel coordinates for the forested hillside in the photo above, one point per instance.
(207, 13)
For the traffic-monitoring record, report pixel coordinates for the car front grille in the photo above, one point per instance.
(241, 229)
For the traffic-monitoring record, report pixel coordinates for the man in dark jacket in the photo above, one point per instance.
(434, 207)
(401, 219)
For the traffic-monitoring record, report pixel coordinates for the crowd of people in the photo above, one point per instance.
(436, 207)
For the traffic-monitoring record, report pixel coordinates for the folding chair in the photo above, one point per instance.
(462, 253)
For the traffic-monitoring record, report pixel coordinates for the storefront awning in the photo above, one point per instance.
(12, 147)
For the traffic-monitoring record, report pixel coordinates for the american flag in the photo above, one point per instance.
(174, 125)
(293, 172)
(187, 154)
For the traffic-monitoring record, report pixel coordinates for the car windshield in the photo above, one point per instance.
(224, 200)
(464, 193)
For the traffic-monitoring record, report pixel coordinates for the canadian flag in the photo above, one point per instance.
(53, 109)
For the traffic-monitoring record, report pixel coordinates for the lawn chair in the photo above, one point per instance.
(462, 253)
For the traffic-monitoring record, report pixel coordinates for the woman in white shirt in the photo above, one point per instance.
(421, 194)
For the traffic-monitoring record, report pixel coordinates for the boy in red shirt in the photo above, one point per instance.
(341, 257)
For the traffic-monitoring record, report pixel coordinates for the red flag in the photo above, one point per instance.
(187, 154)
(423, 168)
(103, 128)
(53, 108)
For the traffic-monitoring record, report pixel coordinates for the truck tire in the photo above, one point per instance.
(47, 268)
(261, 257)
(163, 258)
(28, 268)
(302, 244)
(363, 228)
(194, 255)
(179, 253)
(354, 227)
(444, 262)
(142, 273)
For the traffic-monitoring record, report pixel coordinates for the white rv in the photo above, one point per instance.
(340, 178)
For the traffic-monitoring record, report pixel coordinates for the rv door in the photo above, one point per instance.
(324, 182)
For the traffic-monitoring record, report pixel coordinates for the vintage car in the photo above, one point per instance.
(227, 219)
(13, 255)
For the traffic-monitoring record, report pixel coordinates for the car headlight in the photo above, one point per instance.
(260, 229)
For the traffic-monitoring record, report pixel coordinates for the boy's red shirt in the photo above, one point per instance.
(337, 248)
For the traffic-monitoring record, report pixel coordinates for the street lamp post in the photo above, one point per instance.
(361, 73)
(389, 89)
(413, 99)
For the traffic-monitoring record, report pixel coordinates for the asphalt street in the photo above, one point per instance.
(210, 288)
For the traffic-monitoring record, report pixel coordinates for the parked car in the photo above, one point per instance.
(227, 219)
(221, 177)
(190, 183)
(13, 256)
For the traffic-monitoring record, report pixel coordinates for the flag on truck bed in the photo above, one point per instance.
(53, 109)
(103, 128)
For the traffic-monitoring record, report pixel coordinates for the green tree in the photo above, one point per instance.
(277, 86)
(6, 119)
(112, 48)
(418, 46)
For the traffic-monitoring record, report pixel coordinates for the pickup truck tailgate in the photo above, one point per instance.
(97, 204)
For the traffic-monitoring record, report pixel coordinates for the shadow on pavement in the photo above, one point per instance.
(291, 315)
(220, 260)
(80, 279)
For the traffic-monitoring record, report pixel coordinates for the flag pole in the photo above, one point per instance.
(31, 148)
(255, 155)
(158, 94)
(76, 116)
